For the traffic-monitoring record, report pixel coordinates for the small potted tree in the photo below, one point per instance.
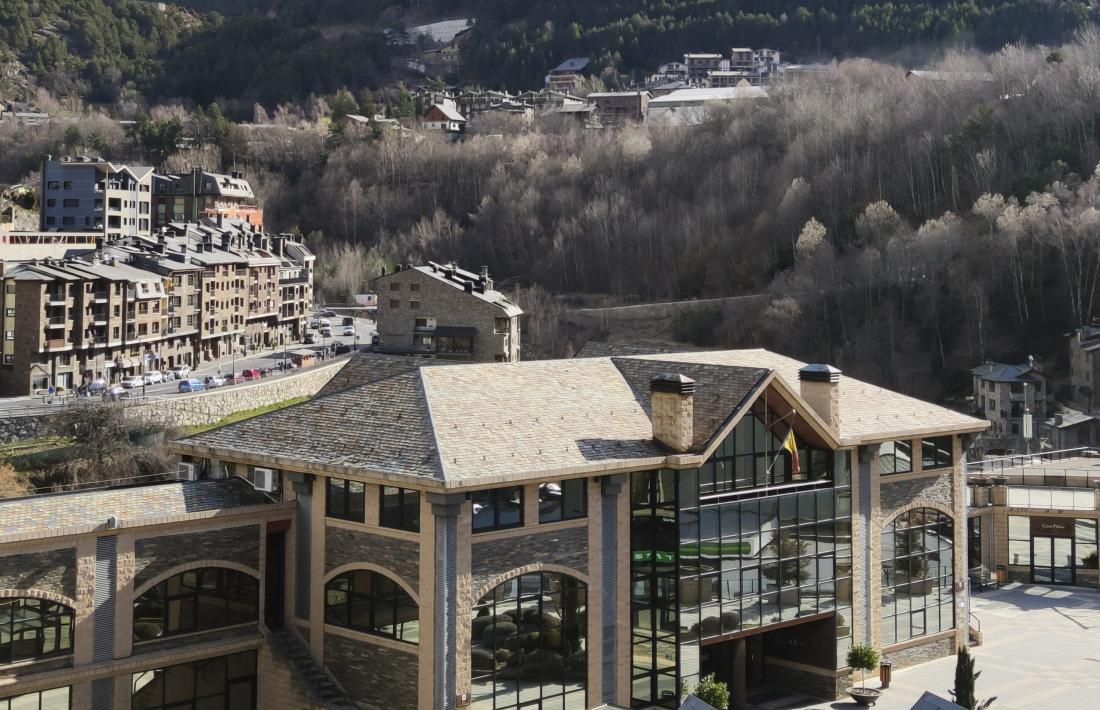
(863, 658)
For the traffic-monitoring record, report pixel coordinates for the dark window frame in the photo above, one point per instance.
(192, 601)
(344, 603)
(343, 506)
(907, 560)
(496, 496)
(52, 617)
(896, 468)
(406, 515)
(9, 702)
(202, 687)
(937, 452)
(550, 514)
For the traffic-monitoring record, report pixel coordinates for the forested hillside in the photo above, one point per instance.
(245, 51)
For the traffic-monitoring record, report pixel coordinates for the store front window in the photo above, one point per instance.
(1056, 550)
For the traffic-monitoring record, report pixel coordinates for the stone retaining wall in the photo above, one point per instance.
(17, 428)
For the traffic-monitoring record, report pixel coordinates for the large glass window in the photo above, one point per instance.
(918, 591)
(758, 453)
(345, 500)
(373, 603)
(528, 644)
(53, 699)
(400, 509)
(562, 501)
(196, 600)
(936, 452)
(497, 508)
(34, 628)
(895, 457)
(221, 683)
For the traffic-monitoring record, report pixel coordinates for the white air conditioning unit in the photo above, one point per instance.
(187, 471)
(263, 479)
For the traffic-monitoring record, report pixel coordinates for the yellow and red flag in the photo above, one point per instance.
(792, 447)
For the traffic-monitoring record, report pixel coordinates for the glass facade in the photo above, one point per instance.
(562, 501)
(34, 628)
(196, 600)
(895, 457)
(497, 508)
(345, 499)
(53, 699)
(528, 644)
(1054, 548)
(221, 683)
(400, 509)
(754, 537)
(918, 581)
(373, 603)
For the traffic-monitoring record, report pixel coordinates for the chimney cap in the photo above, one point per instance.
(819, 373)
(672, 382)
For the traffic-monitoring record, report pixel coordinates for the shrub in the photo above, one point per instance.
(499, 630)
(863, 658)
(713, 692)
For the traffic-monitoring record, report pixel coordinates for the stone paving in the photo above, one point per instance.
(1041, 651)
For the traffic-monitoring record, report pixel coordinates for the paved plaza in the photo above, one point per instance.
(1041, 650)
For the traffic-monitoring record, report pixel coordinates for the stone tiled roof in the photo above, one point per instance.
(50, 514)
(867, 412)
(498, 422)
(364, 368)
(719, 390)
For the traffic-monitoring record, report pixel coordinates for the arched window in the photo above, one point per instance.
(528, 644)
(196, 600)
(918, 592)
(34, 628)
(373, 603)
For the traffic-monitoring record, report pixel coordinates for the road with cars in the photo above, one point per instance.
(223, 367)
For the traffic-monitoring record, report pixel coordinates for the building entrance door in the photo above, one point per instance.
(1052, 560)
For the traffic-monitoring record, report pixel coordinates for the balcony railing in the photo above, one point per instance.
(101, 296)
(56, 298)
(56, 322)
(1037, 470)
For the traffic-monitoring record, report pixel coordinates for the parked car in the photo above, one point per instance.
(132, 382)
(349, 330)
(285, 365)
(114, 393)
(168, 375)
(310, 339)
(213, 381)
(251, 374)
(182, 371)
(340, 349)
(97, 386)
(327, 314)
(325, 323)
(348, 320)
(153, 378)
(191, 385)
(326, 332)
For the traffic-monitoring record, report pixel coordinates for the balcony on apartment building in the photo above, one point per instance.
(101, 296)
(56, 297)
(54, 322)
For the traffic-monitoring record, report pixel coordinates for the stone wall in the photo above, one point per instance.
(344, 546)
(791, 677)
(567, 547)
(50, 571)
(155, 555)
(277, 685)
(376, 676)
(897, 494)
(17, 428)
(915, 655)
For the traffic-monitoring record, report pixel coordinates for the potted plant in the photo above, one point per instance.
(863, 658)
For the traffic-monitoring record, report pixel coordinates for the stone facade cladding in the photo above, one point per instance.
(277, 685)
(915, 655)
(402, 557)
(155, 555)
(376, 676)
(897, 494)
(791, 677)
(49, 571)
(180, 643)
(567, 548)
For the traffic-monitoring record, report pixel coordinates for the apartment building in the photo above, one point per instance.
(620, 107)
(82, 194)
(192, 293)
(442, 311)
(189, 197)
(700, 64)
(1003, 395)
(600, 530)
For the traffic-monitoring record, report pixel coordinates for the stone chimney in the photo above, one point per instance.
(673, 410)
(820, 387)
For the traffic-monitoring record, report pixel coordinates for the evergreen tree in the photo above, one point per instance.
(966, 681)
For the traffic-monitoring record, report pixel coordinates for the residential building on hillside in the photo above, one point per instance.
(84, 194)
(192, 293)
(690, 106)
(1084, 365)
(188, 197)
(619, 107)
(443, 117)
(442, 311)
(1003, 394)
(700, 64)
(651, 518)
(568, 75)
(35, 244)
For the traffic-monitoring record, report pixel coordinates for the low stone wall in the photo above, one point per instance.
(14, 429)
(915, 655)
(211, 406)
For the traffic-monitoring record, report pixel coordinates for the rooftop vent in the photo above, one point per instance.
(820, 387)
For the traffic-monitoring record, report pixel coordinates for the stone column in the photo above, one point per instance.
(739, 692)
(317, 573)
(961, 567)
(447, 512)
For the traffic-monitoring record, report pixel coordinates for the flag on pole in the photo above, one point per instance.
(792, 447)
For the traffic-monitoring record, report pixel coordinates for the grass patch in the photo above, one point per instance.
(242, 415)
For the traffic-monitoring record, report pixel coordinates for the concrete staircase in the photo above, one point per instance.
(323, 691)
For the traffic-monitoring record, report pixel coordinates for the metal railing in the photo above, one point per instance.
(1033, 470)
